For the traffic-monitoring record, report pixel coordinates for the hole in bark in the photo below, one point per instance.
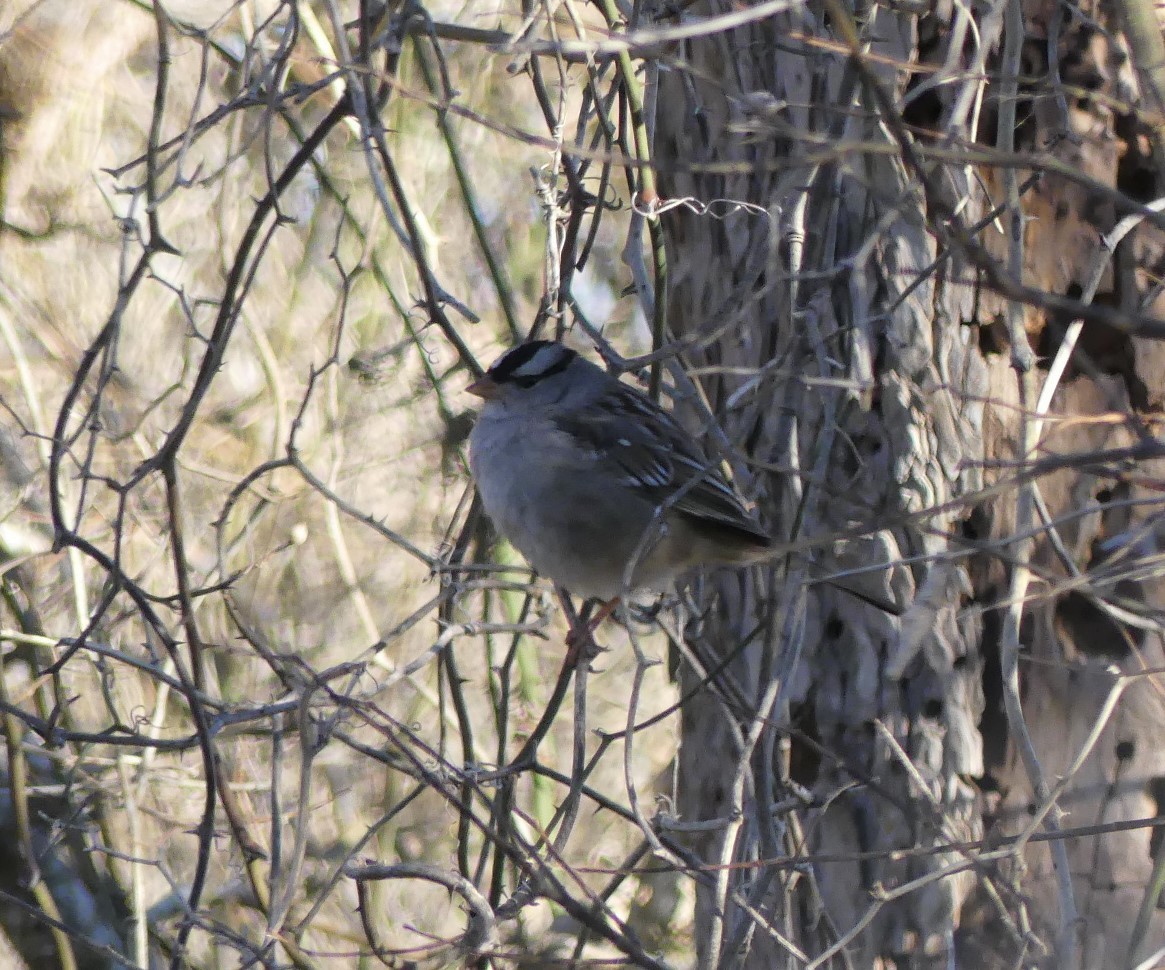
(1136, 175)
(1079, 67)
(974, 526)
(1053, 334)
(1139, 395)
(833, 627)
(992, 338)
(1033, 59)
(925, 111)
(933, 708)
(1104, 347)
(993, 723)
(1125, 750)
(1089, 629)
(849, 460)
(804, 750)
(1113, 500)
(1156, 788)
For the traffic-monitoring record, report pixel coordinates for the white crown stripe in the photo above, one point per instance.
(539, 363)
(530, 362)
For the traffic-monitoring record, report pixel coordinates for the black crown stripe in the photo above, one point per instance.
(505, 370)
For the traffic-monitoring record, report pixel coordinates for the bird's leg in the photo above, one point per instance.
(605, 610)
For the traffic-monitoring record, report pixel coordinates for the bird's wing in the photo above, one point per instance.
(656, 457)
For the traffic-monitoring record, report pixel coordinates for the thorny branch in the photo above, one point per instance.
(283, 204)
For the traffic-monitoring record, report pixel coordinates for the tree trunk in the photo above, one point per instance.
(851, 736)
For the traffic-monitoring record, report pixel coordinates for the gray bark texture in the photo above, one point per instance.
(852, 738)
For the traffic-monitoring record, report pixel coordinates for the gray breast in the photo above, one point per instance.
(540, 493)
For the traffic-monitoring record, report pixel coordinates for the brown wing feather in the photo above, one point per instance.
(678, 473)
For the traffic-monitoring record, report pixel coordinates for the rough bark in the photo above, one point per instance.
(888, 392)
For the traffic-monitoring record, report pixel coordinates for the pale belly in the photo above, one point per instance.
(550, 512)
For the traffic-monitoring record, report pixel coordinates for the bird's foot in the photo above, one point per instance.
(581, 646)
(580, 638)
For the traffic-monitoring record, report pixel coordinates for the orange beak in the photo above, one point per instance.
(484, 387)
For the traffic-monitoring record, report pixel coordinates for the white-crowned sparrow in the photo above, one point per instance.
(596, 485)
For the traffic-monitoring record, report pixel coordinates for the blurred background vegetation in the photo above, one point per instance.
(898, 262)
(136, 147)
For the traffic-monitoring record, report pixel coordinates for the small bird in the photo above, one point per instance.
(599, 487)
